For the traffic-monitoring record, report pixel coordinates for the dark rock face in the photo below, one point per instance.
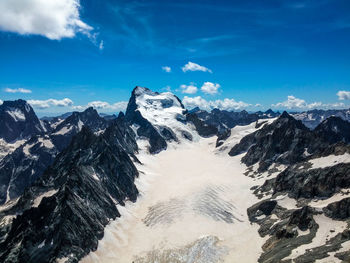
(86, 181)
(222, 137)
(225, 120)
(64, 131)
(261, 208)
(313, 183)
(301, 218)
(21, 168)
(203, 129)
(284, 141)
(18, 121)
(334, 129)
(338, 210)
(146, 129)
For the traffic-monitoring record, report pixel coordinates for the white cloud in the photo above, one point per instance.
(44, 104)
(54, 19)
(101, 45)
(19, 90)
(190, 66)
(188, 89)
(300, 104)
(291, 103)
(166, 69)
(167, 88)
(210, 88)
(343, 95)
(102, 105)
(1, 102)
(225, 104)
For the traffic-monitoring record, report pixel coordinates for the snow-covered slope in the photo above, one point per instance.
(192, 208)
(159, 118)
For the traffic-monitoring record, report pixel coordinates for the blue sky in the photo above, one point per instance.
(64, 55)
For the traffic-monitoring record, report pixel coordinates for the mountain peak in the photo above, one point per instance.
(285, 115)
(138, 90)
(160, 117)
(18, 121)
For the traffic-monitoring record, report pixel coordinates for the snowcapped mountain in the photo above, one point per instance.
(233, 187)
(313, 118)
(159, 118)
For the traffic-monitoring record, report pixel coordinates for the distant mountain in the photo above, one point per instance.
(284, 141)
(224, 120)
(21, 168)
(19, 121)
(55, 118)
(313, 118)
(108, 117)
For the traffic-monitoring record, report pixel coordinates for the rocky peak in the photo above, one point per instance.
(158, 117)
(74, 122)
(334, 129)
(19, 121)
(283, 141)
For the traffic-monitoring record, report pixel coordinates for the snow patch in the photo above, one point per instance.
(16, 114)
(63, 131)
(328, 228)
(46, 143)
(330, 160)
(37, 200)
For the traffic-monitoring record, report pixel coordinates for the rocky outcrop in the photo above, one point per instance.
(334, 129)
(310, 183)
(203, 129)
(225, 120)
(284, 141)
(338, 210)
(64, 213)
(18, 121)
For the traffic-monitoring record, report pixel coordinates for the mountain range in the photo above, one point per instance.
(65, 181)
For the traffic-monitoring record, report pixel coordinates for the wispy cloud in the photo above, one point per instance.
(104, 106)
(44, 104)
(343, 95)
(166, 69)
(191, 66)
(18, 90)
(101, 46)
(225, 104)
(293, 103)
